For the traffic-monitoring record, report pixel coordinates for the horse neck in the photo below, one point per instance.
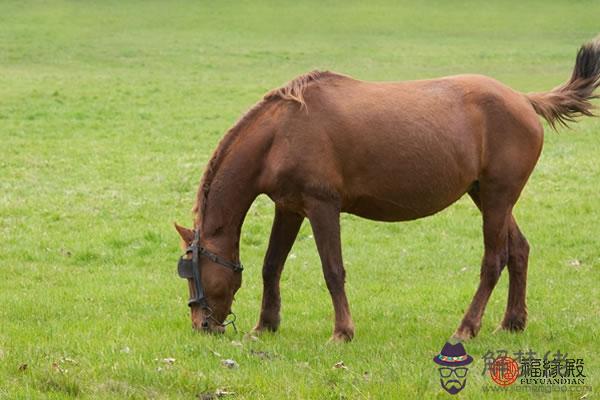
(232, 191)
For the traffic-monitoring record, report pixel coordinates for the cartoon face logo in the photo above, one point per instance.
(453, 373)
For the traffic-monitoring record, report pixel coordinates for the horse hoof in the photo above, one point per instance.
(261, 328)
(514, 323)
(256, 331)
(465, 332)
(341, 337)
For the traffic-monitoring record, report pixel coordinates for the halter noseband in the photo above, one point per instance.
(190, 269)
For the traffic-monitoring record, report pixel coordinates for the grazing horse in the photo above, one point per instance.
(326, 143)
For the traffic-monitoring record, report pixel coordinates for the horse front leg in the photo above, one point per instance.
(325, 221)
(285, 228)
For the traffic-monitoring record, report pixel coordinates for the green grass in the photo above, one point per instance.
(108, 114)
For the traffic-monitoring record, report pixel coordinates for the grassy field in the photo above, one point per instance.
(108, 114)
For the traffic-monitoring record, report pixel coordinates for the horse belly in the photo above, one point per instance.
(403, 179)
(399, 209)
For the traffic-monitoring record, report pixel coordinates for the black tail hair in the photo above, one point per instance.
(563, 104)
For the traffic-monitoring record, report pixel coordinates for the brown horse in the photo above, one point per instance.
(326, 143)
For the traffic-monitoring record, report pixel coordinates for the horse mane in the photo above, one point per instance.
(216, 159)
(293, 90)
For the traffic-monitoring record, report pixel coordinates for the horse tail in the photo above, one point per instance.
(564, 103)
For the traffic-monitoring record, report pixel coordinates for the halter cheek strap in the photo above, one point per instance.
(190, 269)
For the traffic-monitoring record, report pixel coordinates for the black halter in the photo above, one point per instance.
(190, 269)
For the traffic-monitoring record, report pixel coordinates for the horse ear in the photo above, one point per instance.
(186, 234)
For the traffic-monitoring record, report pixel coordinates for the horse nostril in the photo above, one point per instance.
(204, 325)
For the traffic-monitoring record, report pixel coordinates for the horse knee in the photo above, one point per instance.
(524, 248)
(492, 267)
(270, 272)
(335, 279)
(490, 276)
(519, 251)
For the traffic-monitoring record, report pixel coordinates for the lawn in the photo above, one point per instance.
(109, 112)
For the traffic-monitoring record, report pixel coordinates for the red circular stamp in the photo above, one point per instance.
(504, 371)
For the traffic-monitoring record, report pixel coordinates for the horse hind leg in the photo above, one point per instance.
(496, 210)
(515, 317)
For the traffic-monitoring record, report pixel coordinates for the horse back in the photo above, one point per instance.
(401, 150)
